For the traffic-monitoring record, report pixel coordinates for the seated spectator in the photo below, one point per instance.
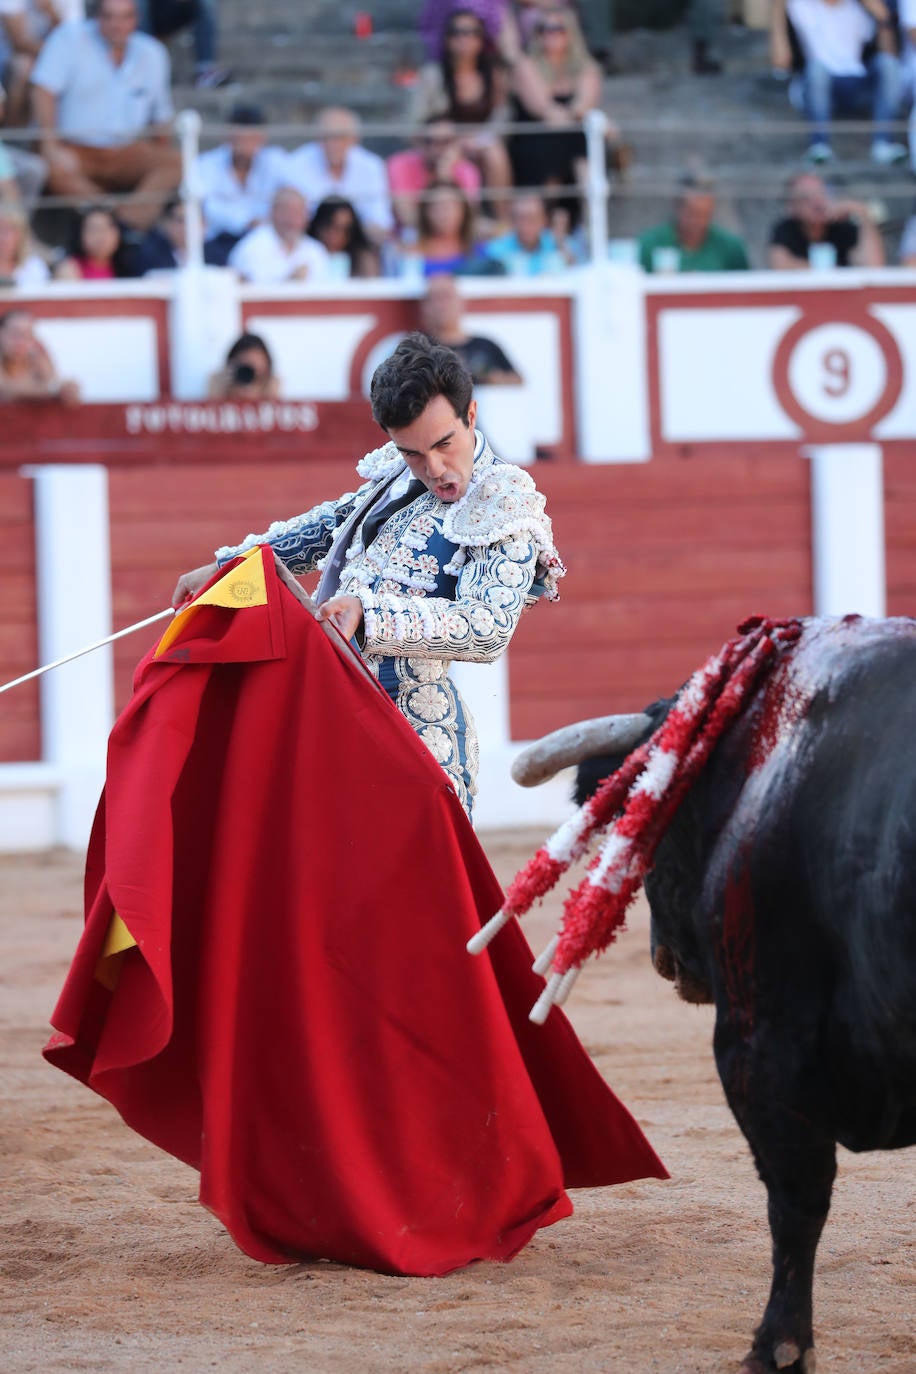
(555, 83)
(247, 374)
(690, 241)
(97, 250)
(24, 25)
(838, 78)
(441, 320)
(436, 159)
(102, 101)
(496, 16)
(815, 217)
(467, 86)
(162, 18)
(165, 247)
(22, 174)
(20, 265)
(337, 164)
(531, 248)
(281, 250)
(26, 370)
(337, 226)
(237, 182)
(446, 239)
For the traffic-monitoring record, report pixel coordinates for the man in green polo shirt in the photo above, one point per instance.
(689, 241)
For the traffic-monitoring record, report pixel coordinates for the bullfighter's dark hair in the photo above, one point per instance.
(415, 373)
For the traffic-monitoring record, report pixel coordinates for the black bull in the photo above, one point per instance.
(784, 891)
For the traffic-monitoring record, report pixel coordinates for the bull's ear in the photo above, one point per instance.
(572, 744)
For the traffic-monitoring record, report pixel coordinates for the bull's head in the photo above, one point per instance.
(598, 748)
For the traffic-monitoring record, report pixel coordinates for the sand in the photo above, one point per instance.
(108, 1262)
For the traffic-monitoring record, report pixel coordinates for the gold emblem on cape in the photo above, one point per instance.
(243, 592)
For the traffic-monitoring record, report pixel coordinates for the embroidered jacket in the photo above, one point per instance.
(440, 581)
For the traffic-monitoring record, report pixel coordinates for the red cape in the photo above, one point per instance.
(298, 1018)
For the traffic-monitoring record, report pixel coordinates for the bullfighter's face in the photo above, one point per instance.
(438, 447)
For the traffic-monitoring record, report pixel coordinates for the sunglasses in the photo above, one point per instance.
(552, 28)
(465, 31)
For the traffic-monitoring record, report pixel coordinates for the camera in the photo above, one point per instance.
(243, 375)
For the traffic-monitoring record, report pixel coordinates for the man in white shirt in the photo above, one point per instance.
(281, 250)
(24, 25)
(836, 80)
(908, 30)
(102, 101)
(237, 181)
(337, 165)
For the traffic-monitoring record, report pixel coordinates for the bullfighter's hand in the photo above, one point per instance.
(190, 583)
(344, 612)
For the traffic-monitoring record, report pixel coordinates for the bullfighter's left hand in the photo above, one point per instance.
(344, 612)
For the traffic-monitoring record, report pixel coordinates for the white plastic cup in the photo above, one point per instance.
(666, 259)
(340, 266)
(821, 256)
(623, 250)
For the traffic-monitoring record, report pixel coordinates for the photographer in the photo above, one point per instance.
(247, 374)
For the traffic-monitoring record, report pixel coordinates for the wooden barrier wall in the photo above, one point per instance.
(20, 733)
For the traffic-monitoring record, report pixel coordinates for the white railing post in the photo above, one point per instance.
(596, 125)
(847, 535)
(188, 126)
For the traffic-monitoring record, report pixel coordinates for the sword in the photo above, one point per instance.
(89, 648)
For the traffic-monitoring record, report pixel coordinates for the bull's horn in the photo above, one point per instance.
(572, 744)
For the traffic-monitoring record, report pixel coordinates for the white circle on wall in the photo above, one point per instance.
(837, 372)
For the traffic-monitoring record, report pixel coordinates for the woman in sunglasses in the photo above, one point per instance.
(468, 87)
(555, 83)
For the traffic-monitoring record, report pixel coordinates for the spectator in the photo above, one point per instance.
(162, 18)
(97, 250)
(837, 78)
(705, 19)
(26, 370)
(907, 10)
(24, 25)
(165, 247)
(237, 181)
(555, 83)
(597, 18)
(441, 319)
(337, 164)
(437, 158)
(495, 15)
(690, 241)
(20, 265)
(247, 374)
(531, 248)
(815, 217)
(446, 240)
(337, 226)
(22, 174)
(102, 101)
(467, 86)
(281, 250)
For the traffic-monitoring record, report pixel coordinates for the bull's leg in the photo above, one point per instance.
(798, 1165)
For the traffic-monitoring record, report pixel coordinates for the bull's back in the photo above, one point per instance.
(824, 829)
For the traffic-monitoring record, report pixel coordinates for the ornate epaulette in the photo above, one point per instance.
(381, 462)
(502, 503)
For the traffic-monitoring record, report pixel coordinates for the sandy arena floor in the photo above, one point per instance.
(108, 1263)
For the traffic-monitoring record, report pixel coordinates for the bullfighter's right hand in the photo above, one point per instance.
(190, 583)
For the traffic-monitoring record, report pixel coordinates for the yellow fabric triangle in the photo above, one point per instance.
(117, 940)
(244, 586)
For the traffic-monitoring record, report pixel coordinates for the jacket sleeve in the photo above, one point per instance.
(493, 587)
(302, 542)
